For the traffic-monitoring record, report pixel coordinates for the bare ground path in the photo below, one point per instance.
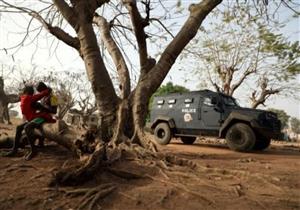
(222, 179)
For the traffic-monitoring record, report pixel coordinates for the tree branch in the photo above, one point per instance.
(197, 14)
(241, 80)
(12, 98)
(164, 27)
(95, 4)
(248, 71)
(264, 95)
(65, 37)
(55, 31)
(116, 55)
(67, 12)
(139, 25)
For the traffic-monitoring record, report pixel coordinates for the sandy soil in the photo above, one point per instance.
(219, 179)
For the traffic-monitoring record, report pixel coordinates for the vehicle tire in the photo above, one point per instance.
(163, 133)
(188, 139)
(240, 137)
(262, 144)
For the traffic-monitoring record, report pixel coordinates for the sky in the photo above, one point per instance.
(65, 58)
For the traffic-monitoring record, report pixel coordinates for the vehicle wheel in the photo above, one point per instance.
(262, 144)
(163, 133)
(240, 137)
(188, 139)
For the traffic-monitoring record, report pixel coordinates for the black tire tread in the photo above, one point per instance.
(247, 134)
(168, 133)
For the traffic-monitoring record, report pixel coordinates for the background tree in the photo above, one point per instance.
(295, 125)
(237, 49)
(5, 100)
(282, 116)
(166, 89)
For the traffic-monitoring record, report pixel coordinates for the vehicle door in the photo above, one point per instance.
(210, 112)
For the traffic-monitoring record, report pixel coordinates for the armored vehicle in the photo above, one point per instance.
(208, 113)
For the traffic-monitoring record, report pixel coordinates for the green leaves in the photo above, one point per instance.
(170, 88)
(282, 116)
(287, 53)
(295, 125)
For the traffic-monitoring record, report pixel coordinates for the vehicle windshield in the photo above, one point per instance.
(228, 101)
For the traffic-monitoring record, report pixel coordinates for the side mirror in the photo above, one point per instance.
(214, 101)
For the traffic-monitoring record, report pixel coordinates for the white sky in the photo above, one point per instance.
(69, 59)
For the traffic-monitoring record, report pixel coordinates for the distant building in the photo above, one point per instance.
(291, 136)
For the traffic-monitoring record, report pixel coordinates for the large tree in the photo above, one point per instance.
(76, 23)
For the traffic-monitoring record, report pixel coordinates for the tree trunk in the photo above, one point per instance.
(2, 110)
(106, 98)
(4, 101)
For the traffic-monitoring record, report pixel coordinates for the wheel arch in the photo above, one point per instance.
(233, 119)
(170, 121)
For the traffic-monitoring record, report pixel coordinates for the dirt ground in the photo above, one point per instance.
(219, 179)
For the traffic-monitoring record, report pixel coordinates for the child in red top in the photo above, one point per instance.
(34, 119)
(29, 112)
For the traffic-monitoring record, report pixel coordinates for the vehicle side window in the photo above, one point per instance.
(207, 101)
(160, 102)
(188, 102)
(172, 101)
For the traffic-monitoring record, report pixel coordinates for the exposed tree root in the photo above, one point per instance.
(182, 188)
(80, 175)
(266, 179)
(40, 175)
(120, 148)
(124, 174)
(90, 195)
(140, 138)
(93, 195)
(106, 154)
(164, 174)
(172, 159)
(129, 197)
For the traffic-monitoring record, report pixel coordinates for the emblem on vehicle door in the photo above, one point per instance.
(187, 117)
